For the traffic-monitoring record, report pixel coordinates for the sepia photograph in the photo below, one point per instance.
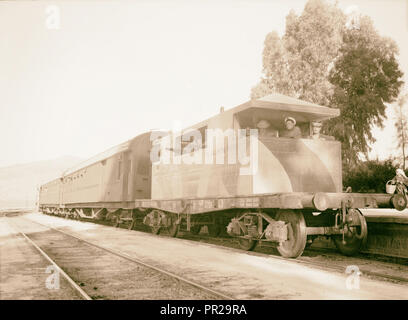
(203, 158)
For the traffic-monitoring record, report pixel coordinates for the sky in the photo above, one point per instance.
(77, 77)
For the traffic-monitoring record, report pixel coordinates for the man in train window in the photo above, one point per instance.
(316, 135)
(265, 129)
(291, 131)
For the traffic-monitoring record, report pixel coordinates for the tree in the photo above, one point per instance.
(275, 67)
(365, 76)
(312, 42)
(370, 176)
(327, 58)
(298, 64)
(401, 125)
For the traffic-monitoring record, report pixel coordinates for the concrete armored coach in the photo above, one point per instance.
(288, 194)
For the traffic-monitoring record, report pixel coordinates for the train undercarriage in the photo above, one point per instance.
(289, 230)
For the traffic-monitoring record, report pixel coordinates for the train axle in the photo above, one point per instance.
(288, 230)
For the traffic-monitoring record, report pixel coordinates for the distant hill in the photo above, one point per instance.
(19, 183)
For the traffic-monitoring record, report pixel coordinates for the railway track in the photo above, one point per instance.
(209, 293)
(224, 270)
(319, 245)
(73, 284)
(333, 260)
(327, 258)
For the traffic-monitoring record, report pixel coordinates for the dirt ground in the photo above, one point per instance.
(23, 271)
(242, 275)
(99, 273)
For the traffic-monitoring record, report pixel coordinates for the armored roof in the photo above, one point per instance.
(278, 101)
(283, 106)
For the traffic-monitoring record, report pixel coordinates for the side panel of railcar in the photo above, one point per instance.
(138, 183)
(84, 185)
(176, 181)
(50, 193)
(298, 165)
(282, 165)
(112, 178)
(121, 177)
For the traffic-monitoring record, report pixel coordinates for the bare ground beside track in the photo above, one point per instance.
(242, 275)
(23, 269)
(321, 255)
(99, 273)
(372, 266)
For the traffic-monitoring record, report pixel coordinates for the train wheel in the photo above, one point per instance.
(115, 221)
(155, 230)
(195, 229)
(297, 234)
(355, 238)
(213, 230)
(132, 225)
(247, 244)
(173, 230)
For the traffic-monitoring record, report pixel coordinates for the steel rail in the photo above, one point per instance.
(299, 260)
(64, 274)
(140, 262)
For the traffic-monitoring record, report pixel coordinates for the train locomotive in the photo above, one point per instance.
(288, 194)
